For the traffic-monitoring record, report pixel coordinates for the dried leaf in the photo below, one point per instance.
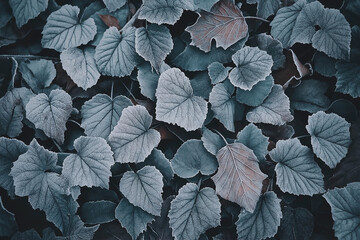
(110, 21)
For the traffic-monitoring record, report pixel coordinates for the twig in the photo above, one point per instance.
(29, 57)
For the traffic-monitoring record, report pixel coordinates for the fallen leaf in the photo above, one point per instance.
(110, 21)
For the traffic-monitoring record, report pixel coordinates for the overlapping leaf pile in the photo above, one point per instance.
(179, 119)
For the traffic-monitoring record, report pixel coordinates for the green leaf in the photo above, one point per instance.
(115, 55)
(63, 29)
(132, 140)
(348, 78)
(274, 110)
(8, 225)
(80, 65)
(10, 150)
(164, 11)
(252, 66)
(266, 8)
(50, 113)
(101, 113)
(266, 217)
(212, 142)
(324, 64)
(201, 84)
(25, 10)
(297, 172)
(134, 219)
(176, 102)
(143, 189)
(153, 43)
(12, 108)
(75, 230)
(97, 212)
(257, 94)
(38, 74)
(193, 211)
(330, 137)
(35, 176)
(114, 5)
(217, 72)
(252, 137)
(192, 158)
(345, 210)
(91, 165)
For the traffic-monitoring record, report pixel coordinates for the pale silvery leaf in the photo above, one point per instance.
(80, 65)
(217, 72)
(50, 113)
(176, 102)
(132, 140)
(25, 10)
(114, 5)
(212, 142)
(266, 8)
(63, 29)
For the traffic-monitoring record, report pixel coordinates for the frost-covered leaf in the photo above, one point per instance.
(8, 225)
(193, 211)
(266, 8)
(252, 137)
(97, 212)
(25, 10)
(12, 108)
(164, 11)
(176, 102)
(38, 74)
(212, 142)
(132, 140)
(345, 208)
(217, 72)
(252, 66)
(153, 43)
(114, 5)
(330, 137)
(80, 65)
(296, 171)
(348, 78)
(115, 55)
(50, 113)
(35, 176)
(101, 113)
(225, 24)
(266, 217)
(64, 30)
(76, 230)
(205, 5)
(192, 158)
(143, 189)
(91, 165)
(238, 178)
(274, 110)
(134, 219)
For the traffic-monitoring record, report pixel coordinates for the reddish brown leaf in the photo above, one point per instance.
(110, 21)
(225, 23)
(239, 178)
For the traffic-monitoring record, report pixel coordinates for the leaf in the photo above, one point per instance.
(114, 5)
(161, 224)
(266, 8)
(192, 158)
(97, 212)
(266, 217)
(91, 165)
(257, 94)
(348, 79)
(38, 74)
(80, 65)
(8, 225)
(217, 72)
(101, 113)
(29, 234)
(164, 11)
(310, 96)
(330, 137)
(252, 66)
(63, 29)
(25, 10)
(324, 65)
(252, 137)
(10, 150)
(110, 21)
(153, 43)
(223, 104)
(238, 178)
(201, 85)
(176, 103)
(35, 176)
(205, 5)
(225, 24)
(193, 211)
(132, 140)
(297, 223)
(297, 172)
(50, 113)
(12, 108)
(75, 230)
(274, 110)
(143, 189)
(5, 13)
(212, 142)
(115, 55)
(344, 209)
(134, 219)
(334, 35)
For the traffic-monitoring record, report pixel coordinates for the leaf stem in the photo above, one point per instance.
(199, 182)
(112, 90)
(75, 122)
(57, 145)
(221, 136)
(175, 134)
(257, 18)
(6, 56)
(129, 91)
(303, 136)
(131, 21)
